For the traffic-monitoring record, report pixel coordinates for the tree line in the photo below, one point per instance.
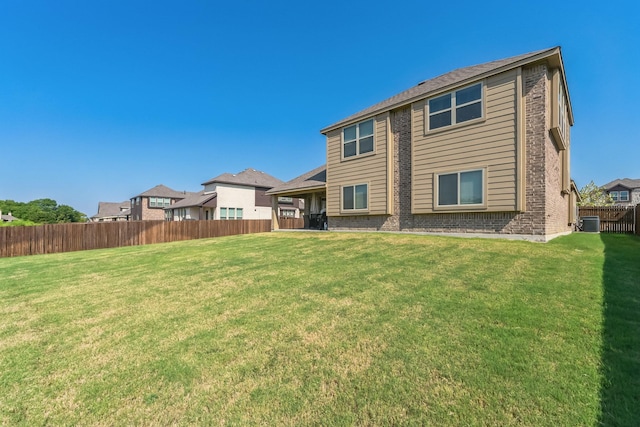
(42, 211)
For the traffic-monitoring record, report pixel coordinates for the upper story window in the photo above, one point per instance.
(619, 196)
(562, 112)
(159, 202)
(560, 118)
(460, 188)
(357, 139)
(455, 107)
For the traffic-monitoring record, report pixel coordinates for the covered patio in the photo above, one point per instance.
(312, 187)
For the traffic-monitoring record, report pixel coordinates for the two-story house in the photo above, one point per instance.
(482, 149)
(150, 204)
(234, 196)
(624, 192)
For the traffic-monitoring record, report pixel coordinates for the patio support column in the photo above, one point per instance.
(275, 225)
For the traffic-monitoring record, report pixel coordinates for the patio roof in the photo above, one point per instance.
(314, 180)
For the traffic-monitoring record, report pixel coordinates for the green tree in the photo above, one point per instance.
(592, 195)
(65, 213)
(42, 211)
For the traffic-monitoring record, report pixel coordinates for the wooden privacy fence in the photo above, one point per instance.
(53, 238)
(290, 223)
(613, 219)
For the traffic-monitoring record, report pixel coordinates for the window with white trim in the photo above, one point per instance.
(357, 139)
(455, 107)
(460, 188)
(159, 202)
(619, 196)
(355, 197)
(231, 213)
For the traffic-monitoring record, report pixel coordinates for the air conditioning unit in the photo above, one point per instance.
(591, 224)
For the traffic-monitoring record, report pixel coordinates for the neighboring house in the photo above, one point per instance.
(234, 196)
(311, 187)
(150, 204)
(112, 211)
(482, 149)
(624, 192)
(7, 218)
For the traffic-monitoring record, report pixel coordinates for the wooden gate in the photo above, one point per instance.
(613, 219)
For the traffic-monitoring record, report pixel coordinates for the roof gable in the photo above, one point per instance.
(106, 209)
(624, 182)
(450, 80)
(164, 191)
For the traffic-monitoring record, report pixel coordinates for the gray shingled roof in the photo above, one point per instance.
(428, 87)
(109, 209)
(250, 177)
(625, 182)
(197, 199)
(8, 218)
(164, 191)
(314, 179)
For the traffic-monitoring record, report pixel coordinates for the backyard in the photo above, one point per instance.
(297, 328)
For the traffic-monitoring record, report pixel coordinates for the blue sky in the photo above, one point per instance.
(102, 100)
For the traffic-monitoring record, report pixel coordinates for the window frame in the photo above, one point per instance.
(357, 140)
(354, 209)
(159, 202)
(458, 206)
(237, 213)
(616, 195)
(453, 108)
(287, 213)
(560, 124)
(626, 199)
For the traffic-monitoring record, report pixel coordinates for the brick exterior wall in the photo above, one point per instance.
(151, 213)
(547, 210)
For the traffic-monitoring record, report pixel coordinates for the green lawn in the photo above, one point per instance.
(325, 329)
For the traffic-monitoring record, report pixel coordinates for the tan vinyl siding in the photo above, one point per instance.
(370, 169)
(490, 143)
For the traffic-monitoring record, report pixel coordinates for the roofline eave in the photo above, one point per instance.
(298, 191)
(550, 53)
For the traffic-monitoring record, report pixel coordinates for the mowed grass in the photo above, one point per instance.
(309, 329)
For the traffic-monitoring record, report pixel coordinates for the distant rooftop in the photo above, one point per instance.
(250, 177)
(625, 182)
(164, 191)
(111, 209)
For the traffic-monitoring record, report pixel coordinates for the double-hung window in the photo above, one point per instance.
(455, 107)
(355, 197)
(357, 139)
(619, 196)
(159, 202)
(230, 213)
(460, 188)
